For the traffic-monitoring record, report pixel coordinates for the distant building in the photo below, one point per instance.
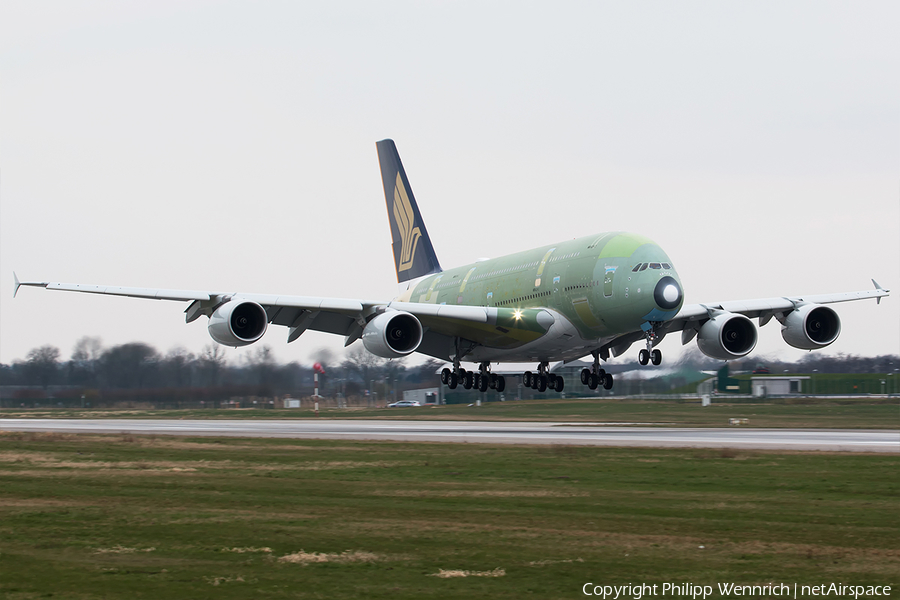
(777, 386)
(424, 396)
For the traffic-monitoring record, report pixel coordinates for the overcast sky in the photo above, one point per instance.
(231, 147)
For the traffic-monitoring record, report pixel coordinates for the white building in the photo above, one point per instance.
(767, 385)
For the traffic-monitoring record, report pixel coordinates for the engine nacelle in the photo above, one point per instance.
(727, 336)
(810, 327)
(238, 323)
(392, 334)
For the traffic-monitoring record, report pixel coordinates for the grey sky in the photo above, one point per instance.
(231, 147)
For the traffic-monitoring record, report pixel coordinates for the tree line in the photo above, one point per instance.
(138, 370)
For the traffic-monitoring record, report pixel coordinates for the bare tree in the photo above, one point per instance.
(42, 365)
(84, 361)
(212, 361)
(261, 364)
(362, 365)
(177, 366)
(129, 365)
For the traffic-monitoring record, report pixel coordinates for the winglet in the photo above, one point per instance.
(880, 289)
(16, 280)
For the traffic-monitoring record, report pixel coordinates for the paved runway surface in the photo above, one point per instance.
(485, 432)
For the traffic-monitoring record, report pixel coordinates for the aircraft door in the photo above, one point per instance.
(608, 281)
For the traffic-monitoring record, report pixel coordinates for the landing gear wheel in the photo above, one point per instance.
(593, 381)
(445, 376)
(483, 383)
(608, 382)
(585, 376)
(494, 379)
(526, 379)
(656, 357)
(643, 357)
(453, 381)
(501, 383)
(560, 384)
(468, 379)
(542, 383)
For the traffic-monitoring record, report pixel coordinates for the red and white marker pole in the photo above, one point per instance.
(317, 368)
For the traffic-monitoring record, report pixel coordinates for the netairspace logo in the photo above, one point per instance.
(701, 592)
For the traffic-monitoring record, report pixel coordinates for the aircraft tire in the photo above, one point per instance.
(643, 357)
(483, 383)
(501, 383)
(560, 384)
(453, 381)
(526, 379)
(467, 380)
(542, 383)
(656, 357)
(593, 382)
(585, 376)
(445, 376)
(608, 382)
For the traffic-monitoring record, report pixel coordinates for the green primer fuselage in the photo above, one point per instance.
(588, 280)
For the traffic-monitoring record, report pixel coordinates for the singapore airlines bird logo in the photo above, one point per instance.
(405, 219)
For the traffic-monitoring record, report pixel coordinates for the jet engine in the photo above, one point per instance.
(392, 334)
(727, 336)
(238, 323)
(810, 327)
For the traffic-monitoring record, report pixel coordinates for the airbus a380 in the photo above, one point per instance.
(596, 295)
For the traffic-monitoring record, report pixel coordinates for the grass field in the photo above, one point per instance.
(89, 516)
(813, 413)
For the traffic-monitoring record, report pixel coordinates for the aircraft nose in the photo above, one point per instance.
(667, 293)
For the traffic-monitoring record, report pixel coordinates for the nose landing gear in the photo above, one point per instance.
(651, 354)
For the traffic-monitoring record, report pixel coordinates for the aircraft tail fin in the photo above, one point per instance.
(414, 255)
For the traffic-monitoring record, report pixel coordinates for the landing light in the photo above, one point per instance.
(517, 315)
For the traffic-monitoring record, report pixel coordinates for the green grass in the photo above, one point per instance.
(89, 516)
(790, 413)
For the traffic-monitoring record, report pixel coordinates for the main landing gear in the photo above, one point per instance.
(482, 380)
(543, 379)
(596, 376)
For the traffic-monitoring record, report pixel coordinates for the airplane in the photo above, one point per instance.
(596, 295)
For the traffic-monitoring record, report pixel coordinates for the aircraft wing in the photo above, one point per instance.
(692, 316)
(766, 308)
(339, 316)
(332, 315)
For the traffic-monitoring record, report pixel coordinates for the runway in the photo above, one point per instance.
(484, 432)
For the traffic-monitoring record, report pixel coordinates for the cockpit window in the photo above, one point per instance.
(655, 266)
(644, 266)
(666, 266)
(636, 267)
